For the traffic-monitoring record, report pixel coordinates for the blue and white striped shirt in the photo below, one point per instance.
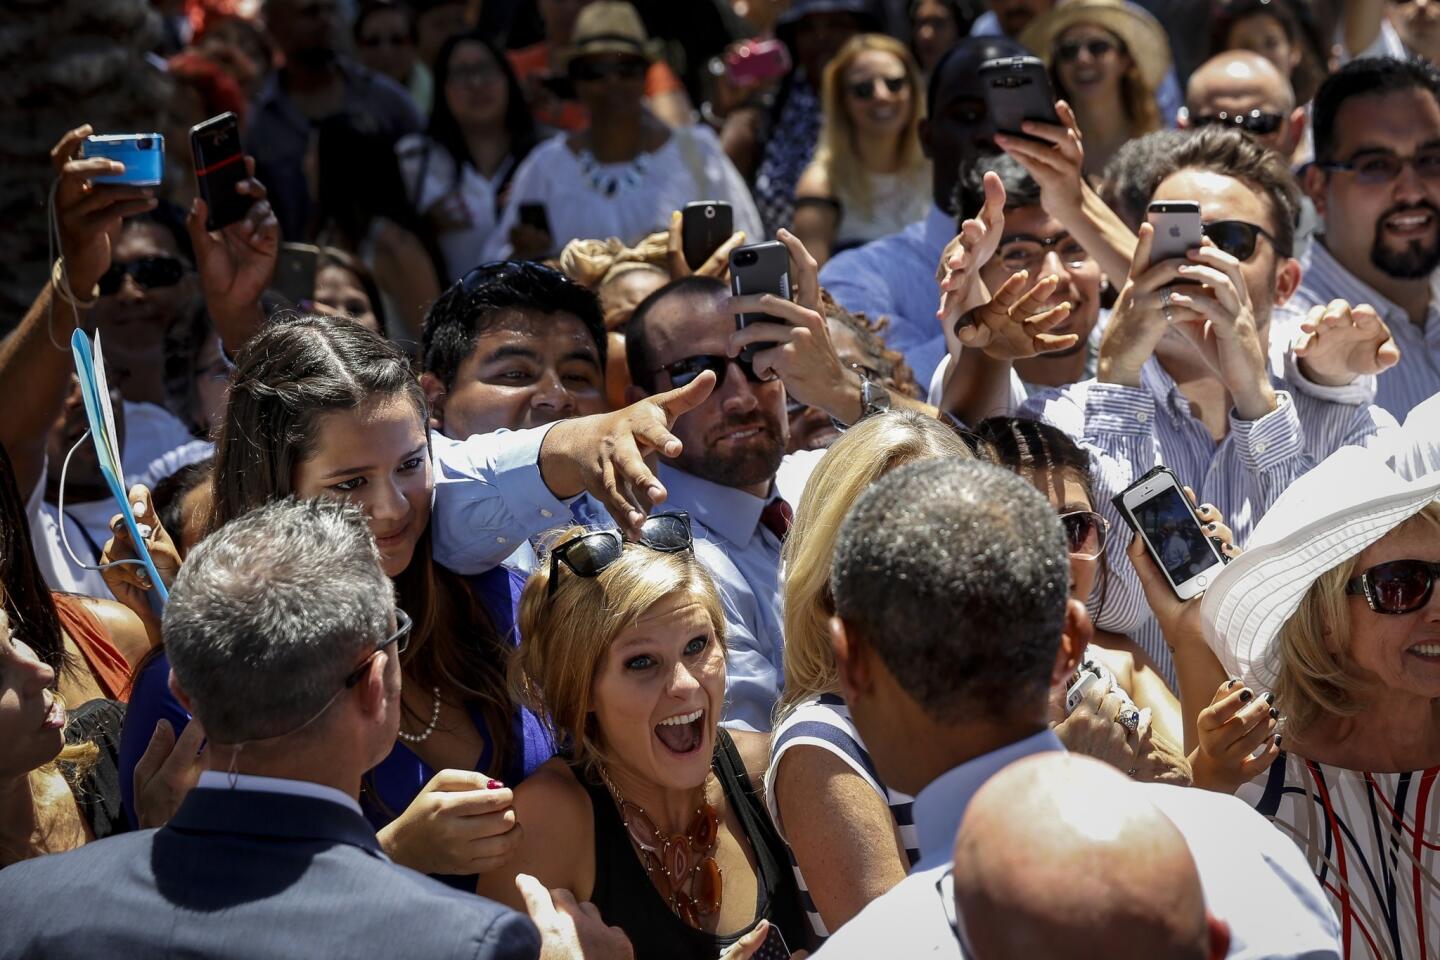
(824, 722)
(1416, 377)
(1129, 430)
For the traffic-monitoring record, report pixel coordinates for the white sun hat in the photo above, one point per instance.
(1414, 450)
(1330, 514)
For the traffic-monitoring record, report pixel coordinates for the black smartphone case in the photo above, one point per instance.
(218, 170)
(701, 236)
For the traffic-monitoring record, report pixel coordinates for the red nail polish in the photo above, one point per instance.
(494, 785)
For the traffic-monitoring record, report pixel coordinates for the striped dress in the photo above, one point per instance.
(824, 722)
(1373, 840)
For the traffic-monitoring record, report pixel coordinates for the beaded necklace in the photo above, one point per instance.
(609, 184)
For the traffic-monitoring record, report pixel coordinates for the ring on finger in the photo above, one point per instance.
(1129, 719)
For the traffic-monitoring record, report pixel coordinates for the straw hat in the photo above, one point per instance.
(1144, 38)
(1347, 502)
(610, 26)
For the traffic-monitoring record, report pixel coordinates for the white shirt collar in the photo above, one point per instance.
(940, 807)
(219, 780)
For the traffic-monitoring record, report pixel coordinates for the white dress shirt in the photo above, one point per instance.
(1252, 876)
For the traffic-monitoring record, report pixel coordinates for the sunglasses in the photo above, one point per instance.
(1374, 167)
(1400, 586)
(1236, 237)
(865, 89)
(686, 370)
(401, 639)
(627, 68)
(1085, 533)
(149, 272)
(589, 554)
(1069, 51)
(1258, 122)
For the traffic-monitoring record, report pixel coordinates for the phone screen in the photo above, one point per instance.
(1166, 522)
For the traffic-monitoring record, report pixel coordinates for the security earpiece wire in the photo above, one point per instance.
(64, 537)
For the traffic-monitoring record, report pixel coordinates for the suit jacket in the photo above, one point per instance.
(248, 874)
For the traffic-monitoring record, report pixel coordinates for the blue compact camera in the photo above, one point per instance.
(142, 153)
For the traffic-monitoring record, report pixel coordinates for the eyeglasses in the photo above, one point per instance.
(1400, 586)
(686, 370)
(1374, 167)
(865, 89)
(589, 554)
(1258, 122)
(385, 40)
(1069, 51)
(1085, 533)
(626, 68)
(473, 74)
(149, 272)
(1236, 237)
(1024, 252)
(401, 639)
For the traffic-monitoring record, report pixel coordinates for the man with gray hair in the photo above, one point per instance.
(953, 626)
(284, 641)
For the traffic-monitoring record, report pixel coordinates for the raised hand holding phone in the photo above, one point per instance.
(220, 169)
(1156, 508)
(1144, 312)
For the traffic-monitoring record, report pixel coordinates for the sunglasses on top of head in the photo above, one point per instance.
(1259, 122)
(1396, 587)
(149, 273)
(1236, 237)
(685, 371)
(589, 554)
(865, 89)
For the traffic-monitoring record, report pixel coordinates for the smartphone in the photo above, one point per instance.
(704, 226)
(142, 153)
(1018, 89)
(773, 948)
(219, 168)
(534, 215)
(1158, 511)
(295, 272)
(755, 62)
(759, 268)
(1177, 229)
(1075, 693)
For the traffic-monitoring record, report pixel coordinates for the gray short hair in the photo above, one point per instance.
(271, 612)
(956, 572)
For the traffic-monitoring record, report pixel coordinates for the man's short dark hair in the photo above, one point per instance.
(638, 355)
(1233, 154)
(1129, 178)
(1368, 76)
(1021, 190)
(481, 299)
(957, 574)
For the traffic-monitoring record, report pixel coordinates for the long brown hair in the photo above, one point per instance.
(285, 380)
(24, 595)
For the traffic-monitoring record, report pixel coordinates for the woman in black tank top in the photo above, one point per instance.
(651, 813)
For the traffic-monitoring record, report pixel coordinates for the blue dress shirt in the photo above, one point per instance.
(895, 277)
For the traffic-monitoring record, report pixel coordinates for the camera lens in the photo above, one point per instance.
(145, 143)
(709, 213)
(746, 259)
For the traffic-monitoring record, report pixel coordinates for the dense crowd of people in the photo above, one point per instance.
(1041, 562)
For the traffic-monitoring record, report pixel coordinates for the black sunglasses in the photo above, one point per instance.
(1085, 533)
(1236, 237)
(1259, 122)
(1400, 586)
(401, 639)
(1069, 51)
(685, 370)
(865, 89)
(590, 70)
(590, 553)
(149, 272)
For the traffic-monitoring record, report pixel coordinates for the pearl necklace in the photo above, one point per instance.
(429, 727)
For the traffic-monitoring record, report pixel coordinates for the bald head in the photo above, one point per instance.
(1238, 82)
(1060, 848)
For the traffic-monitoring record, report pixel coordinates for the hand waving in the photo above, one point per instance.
(1006, 328)
(1338, 343)
(971, 249)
